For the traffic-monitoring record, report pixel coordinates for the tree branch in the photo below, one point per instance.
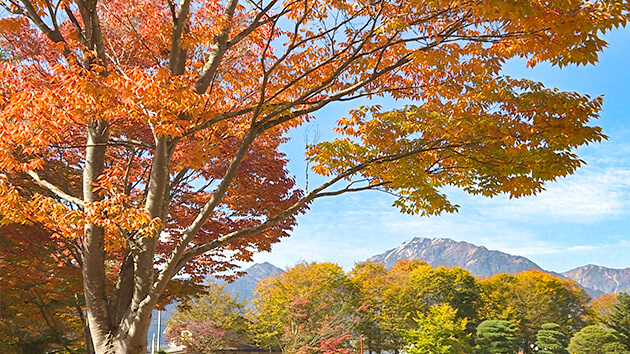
(177, 57)
(316, 193)
(122, 141)
(218, 50)
(55, 190)
(171, 266)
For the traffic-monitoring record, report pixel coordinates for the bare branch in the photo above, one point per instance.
(172, 264)
(217, 119)
(132, 142)
(349, 190)
(17, 11)
(256, 23)
(55, 190)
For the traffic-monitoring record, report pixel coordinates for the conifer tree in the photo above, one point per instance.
(496, 337)
(551, 340)
(596, 339)
(619, 319)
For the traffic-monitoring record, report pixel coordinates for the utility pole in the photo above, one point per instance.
(159, 329)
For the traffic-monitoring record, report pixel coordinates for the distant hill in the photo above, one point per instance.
(606, 280)
(478, 260)
(244, 286)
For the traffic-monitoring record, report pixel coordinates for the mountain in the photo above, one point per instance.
(606, 280)
(244, 286)
(478, 260)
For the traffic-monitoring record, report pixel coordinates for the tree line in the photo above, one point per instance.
(411, 308)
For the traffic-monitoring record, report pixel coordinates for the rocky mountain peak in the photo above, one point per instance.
(607, 280)
(446, 252)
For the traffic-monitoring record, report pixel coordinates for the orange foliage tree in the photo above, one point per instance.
(165, 119)
(40, 293)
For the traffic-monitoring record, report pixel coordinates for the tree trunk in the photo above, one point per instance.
(94, 280)
(134, 340)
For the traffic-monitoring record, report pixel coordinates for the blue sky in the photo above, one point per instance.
(581, 219)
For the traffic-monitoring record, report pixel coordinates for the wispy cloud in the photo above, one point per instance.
(590, 194)
(582, 248)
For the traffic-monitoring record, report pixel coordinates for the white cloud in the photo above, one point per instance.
(588, 195)
(582, 248)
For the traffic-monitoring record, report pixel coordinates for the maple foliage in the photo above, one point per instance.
(155, 127)
(40, 293)
(210, 322)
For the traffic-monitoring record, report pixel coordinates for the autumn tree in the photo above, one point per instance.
(533, 298)
(212, 321)
(306, 309)
(40, 293)
(453, 286)
(599, 309)
(394, 299)
(438, 332)
(390, 303)
(372, 284)
(167, 119)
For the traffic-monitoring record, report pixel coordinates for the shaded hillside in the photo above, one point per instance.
(244, 286)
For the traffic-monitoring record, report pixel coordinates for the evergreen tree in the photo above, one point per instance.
(496, 337)
(596, 339)
(619, 319)
(551, 340)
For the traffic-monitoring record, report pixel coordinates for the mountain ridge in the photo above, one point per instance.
(604, 279)
(244, 286)
(478, 260)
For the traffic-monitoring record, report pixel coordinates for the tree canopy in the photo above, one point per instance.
(40, 293)
(596, 339)
(154, 127)
(496, 337)
(310, 308)
(438, 332)
(619, 318)
(533, 298)
(550, 339)
(210, 322)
